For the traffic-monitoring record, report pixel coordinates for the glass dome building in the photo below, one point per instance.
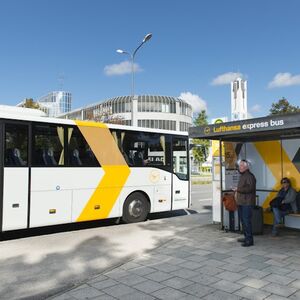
(162, 112)
(56, 103)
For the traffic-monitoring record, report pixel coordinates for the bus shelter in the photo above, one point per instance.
(272, 147)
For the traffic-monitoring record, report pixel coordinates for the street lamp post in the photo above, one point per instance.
(132, 56)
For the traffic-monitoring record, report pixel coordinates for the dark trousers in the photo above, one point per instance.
(245, 215)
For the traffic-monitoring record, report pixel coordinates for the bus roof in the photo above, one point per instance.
(29, 118)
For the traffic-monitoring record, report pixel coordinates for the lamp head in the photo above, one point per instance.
(120, 51)
(147, 37)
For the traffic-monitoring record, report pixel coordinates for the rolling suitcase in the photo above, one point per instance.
(257, 219)
(231, 220)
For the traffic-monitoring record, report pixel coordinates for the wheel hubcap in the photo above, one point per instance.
(135, 208)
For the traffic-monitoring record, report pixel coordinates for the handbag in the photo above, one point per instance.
(276, 202)
(285, 207)
(229, 202)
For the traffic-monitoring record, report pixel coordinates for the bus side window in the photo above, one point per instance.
(79, 152)
(16, 145)
(48, 146)
(142, 149)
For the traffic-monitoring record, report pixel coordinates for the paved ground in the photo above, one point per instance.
(203, 262)
(39, 266)
(56, 258)
(181, 257)
(201, 197)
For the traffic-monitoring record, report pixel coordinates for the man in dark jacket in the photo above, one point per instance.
(245, 198)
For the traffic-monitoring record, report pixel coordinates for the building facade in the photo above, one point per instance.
(148, 111)
(56, 103)
(239, 100)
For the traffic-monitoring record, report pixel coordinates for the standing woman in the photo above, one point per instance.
(245, 198)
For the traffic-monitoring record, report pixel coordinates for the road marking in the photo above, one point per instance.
(197, 192)
(206, 199)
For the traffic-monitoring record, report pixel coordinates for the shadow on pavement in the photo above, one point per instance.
(28, 280)
(39, 271)
(12, 235)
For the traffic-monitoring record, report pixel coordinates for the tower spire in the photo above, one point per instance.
(239, 109)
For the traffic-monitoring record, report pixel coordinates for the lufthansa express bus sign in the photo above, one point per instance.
(225, 128)
(249, 125)
(207, 130)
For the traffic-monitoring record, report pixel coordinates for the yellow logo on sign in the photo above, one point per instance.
(206, 130)
(218, 121)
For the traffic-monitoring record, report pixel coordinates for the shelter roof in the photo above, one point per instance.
(257, 129)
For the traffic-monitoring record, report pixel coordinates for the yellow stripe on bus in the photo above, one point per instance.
(106, 193)
(116, 171)
(90, 124)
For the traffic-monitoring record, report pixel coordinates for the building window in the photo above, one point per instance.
(128, 105)
(183, 126)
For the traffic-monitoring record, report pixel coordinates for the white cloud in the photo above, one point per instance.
(194, 100)
(255, 108)
(284, 79)
(225, 78)
(121, 69)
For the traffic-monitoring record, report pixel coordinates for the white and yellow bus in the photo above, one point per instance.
(56, 171)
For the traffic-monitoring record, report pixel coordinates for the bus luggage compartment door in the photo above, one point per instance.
(51, 195)
(15, 198)
(15, 175)
(50, 208)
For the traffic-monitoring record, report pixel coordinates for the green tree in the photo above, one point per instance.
(30, 103)
(104, 117)
(201, 149)
(282, 106)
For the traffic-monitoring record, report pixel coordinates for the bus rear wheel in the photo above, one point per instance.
(136, 208)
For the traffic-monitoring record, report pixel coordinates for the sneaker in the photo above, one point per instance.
(241, 240)
(247, 244)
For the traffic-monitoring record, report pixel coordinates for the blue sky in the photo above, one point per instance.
(194, 42)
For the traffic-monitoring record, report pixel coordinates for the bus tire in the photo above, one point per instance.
(136, 208)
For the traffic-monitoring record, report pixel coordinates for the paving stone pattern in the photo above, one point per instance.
(203, 263)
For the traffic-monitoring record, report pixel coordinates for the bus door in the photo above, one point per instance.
(51, 179)
(15, 175)
(180, 186)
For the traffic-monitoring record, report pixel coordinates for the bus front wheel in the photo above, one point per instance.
(136, 208)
